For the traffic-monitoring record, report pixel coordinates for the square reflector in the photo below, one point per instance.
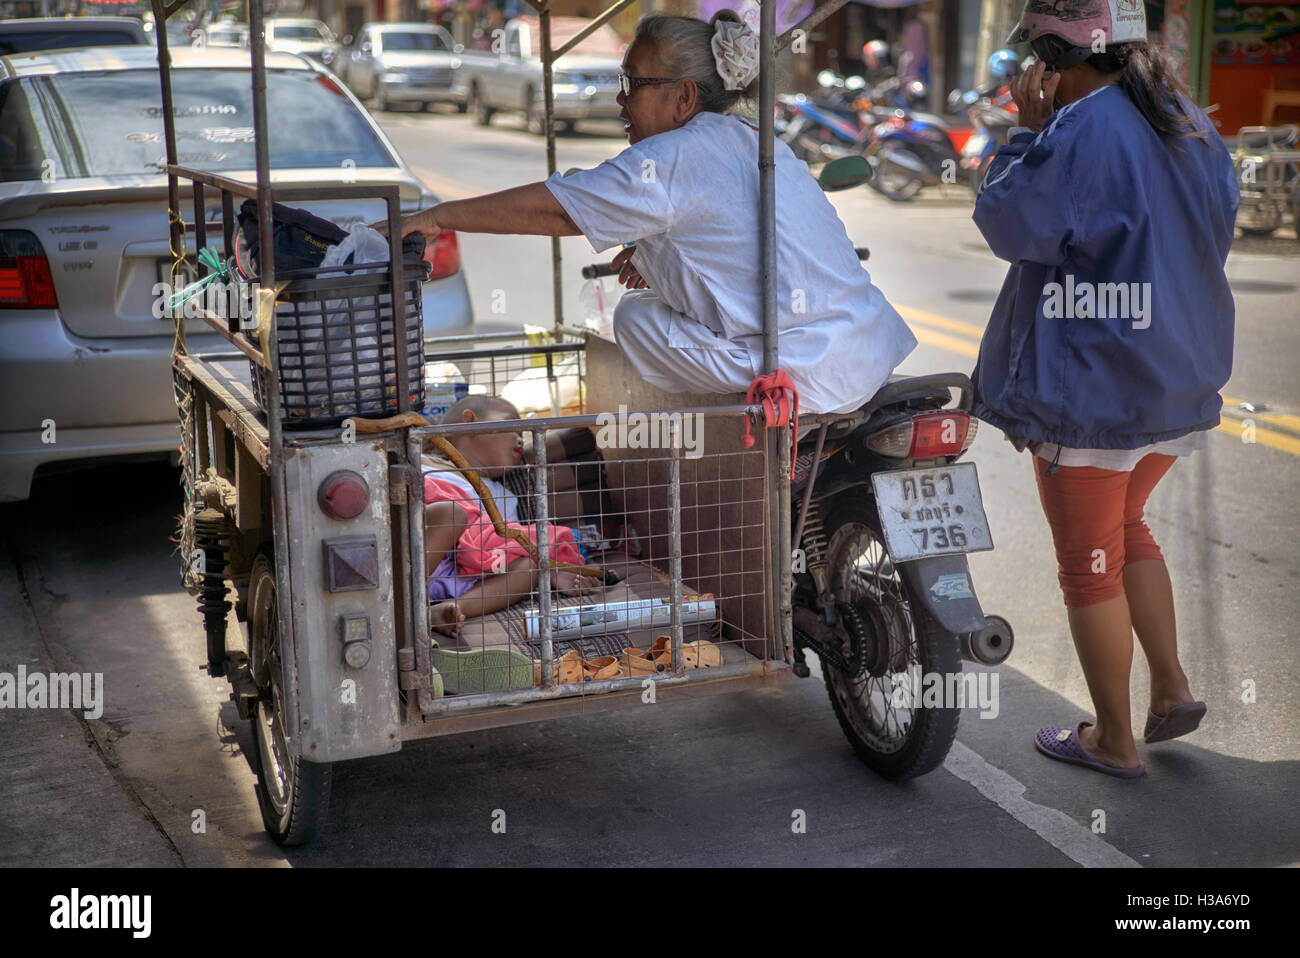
(351, 563)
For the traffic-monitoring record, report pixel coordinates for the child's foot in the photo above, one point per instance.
(571, 583)
(446, 617)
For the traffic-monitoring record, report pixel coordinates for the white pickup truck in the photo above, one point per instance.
(509, 78)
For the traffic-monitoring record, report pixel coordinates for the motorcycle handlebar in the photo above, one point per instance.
(597, 270)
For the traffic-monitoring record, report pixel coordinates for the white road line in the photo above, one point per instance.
(1055, 827)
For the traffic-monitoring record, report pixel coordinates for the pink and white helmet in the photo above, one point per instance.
(1077, 22)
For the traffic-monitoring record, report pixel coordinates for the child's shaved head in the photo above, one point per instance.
(483, 408)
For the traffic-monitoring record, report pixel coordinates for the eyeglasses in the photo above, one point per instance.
(627, 85)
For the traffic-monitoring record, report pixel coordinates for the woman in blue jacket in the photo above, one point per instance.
(1111, 337)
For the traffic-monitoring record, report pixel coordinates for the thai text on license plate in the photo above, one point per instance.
(932, 512)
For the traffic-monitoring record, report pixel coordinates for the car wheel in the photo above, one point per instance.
(482, 112)
(534, 119)
(462, 107)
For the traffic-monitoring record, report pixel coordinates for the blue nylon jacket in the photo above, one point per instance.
(1096, 200)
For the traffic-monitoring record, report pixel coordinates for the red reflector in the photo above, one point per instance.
(343, 494)
(443, 255)
(26, 281)
(938, 434)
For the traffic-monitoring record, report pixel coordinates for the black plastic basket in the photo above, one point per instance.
(338, 346)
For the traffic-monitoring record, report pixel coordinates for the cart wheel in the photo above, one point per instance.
(877, 709)
(294, 794)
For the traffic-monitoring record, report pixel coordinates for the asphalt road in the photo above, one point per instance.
(88, 582)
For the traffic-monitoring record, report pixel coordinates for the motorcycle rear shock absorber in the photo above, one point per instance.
(212, 539)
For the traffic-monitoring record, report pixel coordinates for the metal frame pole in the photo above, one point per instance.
(275, 439)
(778, 440)
(548, 98)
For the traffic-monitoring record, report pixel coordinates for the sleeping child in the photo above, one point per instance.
(473, 569)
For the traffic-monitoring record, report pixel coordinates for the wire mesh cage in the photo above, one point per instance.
(536, 375)
(644, 534)
(336, 339)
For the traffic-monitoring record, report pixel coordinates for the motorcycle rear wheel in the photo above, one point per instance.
(892, 181)
(878, 710)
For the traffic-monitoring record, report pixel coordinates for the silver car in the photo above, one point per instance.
(223, 33)
(84, 368)
(394, 63)
(311, 38)
(26, 34)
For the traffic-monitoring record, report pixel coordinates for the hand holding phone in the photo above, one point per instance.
(1035, 94)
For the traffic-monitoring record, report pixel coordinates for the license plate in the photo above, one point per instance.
(975, 145)
(932, 512)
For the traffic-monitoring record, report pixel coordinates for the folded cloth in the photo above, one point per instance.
(481, 550)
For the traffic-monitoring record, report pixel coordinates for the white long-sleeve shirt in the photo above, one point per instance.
(688, 198)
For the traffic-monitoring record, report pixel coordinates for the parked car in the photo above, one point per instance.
(223, 33)
(311, 38)
(57, 33)
(84, 235)
(392, 63)
(510, 78)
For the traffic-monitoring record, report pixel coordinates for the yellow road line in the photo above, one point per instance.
(1282, 419)
(1273, 440)
(941, 322)
(944, 341)
(1230, 427)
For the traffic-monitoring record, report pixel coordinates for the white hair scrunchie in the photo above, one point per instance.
(735, 51)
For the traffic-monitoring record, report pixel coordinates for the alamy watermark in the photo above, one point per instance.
(229, 300)
(57, 690)
(654, 430)
(945, 690)
(1085, 300)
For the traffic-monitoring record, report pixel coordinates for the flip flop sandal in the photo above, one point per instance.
(605, 667)
(702, 654)
(635, 662)
(1063, 745)
(1179, 720)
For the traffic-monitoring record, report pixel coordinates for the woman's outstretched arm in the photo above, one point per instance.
(530, 210)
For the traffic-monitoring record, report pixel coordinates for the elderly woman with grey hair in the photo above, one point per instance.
(682, 200)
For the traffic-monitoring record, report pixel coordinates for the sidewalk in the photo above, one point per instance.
(60, 803)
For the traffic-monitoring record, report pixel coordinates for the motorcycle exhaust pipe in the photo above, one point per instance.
(991, 645)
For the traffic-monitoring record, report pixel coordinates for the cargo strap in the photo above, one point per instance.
(769, 390)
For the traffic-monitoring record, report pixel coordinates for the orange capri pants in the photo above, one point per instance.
(1097, 524)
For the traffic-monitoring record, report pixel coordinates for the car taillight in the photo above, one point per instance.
(343, 494)
(25, 278)
(443, 254)
(926, 435)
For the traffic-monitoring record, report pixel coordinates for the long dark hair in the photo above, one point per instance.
(1150, 82)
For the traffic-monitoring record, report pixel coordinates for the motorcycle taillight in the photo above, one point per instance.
(946, 433)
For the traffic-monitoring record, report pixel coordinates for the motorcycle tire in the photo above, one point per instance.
(901, 637)
(901, 186)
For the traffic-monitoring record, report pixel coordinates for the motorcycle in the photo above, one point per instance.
(993, 119)
(836, 122)
(882, 516)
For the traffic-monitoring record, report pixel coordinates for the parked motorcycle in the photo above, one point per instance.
(883, 515)
(836, 122)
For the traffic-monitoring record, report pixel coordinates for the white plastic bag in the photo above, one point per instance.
(362, 244)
